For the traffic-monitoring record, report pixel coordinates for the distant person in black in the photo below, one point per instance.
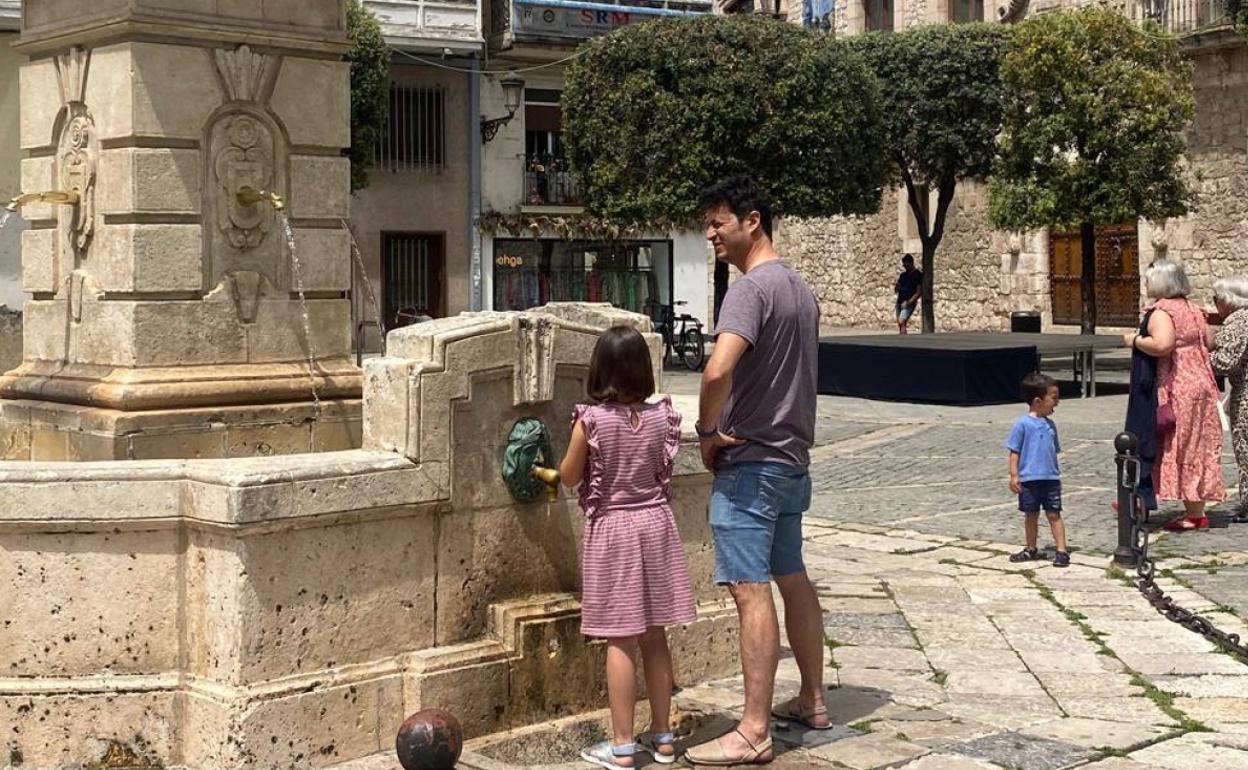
(909, 287)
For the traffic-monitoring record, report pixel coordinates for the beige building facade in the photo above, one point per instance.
(528, 191)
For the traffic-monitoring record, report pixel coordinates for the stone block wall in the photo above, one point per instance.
(1213, 241)
(852, 264)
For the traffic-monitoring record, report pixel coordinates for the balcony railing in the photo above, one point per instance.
(1186, 17)
(547, 182)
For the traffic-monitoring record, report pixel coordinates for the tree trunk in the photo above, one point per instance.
(929, 280)
(1087, 233)
(929, 236)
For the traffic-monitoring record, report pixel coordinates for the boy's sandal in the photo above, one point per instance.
(651, 743)
(604, 754)
(712, 753)
(791, 711)
(1027, 554)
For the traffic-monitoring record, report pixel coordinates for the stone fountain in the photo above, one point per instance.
(252, 613)
(165, 320)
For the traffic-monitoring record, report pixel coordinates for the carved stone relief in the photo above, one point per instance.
(246, 76)
(243, 148)
(77, 163)
(243, 159)
(77, 149)
(535, 372)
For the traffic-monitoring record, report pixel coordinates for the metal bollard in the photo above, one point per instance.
(1128, 463)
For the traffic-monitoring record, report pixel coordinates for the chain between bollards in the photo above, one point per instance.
(1132, 551)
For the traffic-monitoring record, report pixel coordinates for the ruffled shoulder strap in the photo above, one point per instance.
(671, 441)
(587, 415)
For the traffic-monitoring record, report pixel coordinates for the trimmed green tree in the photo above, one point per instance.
(1093, 130)
(943, 102)
(370, 88)
(656, 111)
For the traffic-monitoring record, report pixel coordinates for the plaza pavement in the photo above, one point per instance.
(944, 656)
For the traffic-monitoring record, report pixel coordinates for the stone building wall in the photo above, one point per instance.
(983, 275)
(1213, 241)
(980, 275)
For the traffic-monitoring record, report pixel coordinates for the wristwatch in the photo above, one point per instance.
(712, 433)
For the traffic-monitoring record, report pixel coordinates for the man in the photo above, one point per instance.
(756, 425)
(909, 288)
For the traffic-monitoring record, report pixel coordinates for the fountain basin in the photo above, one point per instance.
(264, 612)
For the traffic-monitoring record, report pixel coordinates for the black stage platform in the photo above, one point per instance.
(965, 368)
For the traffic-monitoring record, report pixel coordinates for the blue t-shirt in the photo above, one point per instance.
(1035, 440)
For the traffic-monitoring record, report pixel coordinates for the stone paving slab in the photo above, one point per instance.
(1099, 733)
(1193, 751)
(1022, 751)
(869, 751)
(947, 762)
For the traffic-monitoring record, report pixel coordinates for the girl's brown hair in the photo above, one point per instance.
(619, 369)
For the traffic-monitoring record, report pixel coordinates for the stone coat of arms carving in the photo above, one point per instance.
(77, 163)
(245, 159)
(77, 151)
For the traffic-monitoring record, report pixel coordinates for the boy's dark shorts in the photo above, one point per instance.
(1046, 494)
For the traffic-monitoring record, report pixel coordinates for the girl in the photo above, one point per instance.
(634, 580)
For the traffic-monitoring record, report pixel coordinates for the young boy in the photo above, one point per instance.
(1034, 475)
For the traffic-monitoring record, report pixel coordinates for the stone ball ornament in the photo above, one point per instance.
(430, 739)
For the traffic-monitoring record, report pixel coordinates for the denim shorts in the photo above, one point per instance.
(756, 517)
(904, 311)
(1045, 494)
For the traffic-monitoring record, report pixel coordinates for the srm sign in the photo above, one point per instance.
(578, 23)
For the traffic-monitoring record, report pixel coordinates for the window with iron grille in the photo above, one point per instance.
(879, 15)
(415, 134)
(965, 11)
(412, 276)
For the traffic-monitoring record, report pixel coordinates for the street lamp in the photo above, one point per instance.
(513, 91)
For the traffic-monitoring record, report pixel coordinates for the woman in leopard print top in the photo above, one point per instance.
(1229, 347)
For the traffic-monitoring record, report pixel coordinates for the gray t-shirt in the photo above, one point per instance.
(772, 405)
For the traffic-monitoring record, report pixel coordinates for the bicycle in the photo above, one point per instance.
(682, 334)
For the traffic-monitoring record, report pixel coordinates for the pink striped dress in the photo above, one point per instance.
(633, 573)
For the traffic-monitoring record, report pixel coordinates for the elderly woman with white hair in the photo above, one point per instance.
(1185, 430)
(1229, 346)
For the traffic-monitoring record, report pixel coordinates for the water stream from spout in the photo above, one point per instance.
(297, 273)
(4, 217)
(368, 285)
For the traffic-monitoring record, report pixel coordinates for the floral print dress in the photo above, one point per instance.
(1189, 466)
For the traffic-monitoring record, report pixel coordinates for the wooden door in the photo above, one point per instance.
(1117, 276)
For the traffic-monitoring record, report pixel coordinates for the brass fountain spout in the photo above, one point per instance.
(249, 196)
(56, 197)
(549, 477)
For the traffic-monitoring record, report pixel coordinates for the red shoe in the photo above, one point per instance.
(1186, 524)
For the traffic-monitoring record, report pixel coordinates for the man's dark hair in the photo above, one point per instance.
(741, 195)
(908, 258)
(619, 368)
(1036, 385)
